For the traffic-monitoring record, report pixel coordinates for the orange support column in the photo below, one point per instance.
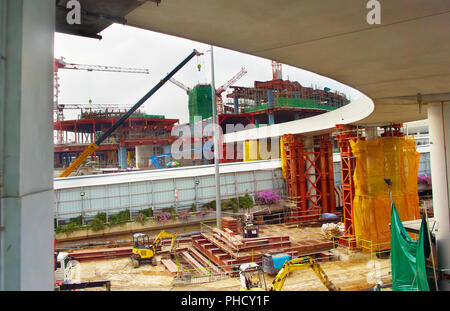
(345, 134)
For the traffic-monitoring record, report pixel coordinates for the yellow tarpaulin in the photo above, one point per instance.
(395, 158)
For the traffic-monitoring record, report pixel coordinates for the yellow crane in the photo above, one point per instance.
(301, 263)
(143, 251)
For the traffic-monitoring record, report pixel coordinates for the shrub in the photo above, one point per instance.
(120, 218)
(267, 197)
(246, 201)
(162, 216)
(183, 216)
(148, 212)
(96, 224)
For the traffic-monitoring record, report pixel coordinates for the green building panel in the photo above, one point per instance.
(200, 102)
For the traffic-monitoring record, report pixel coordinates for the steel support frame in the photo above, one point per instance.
(309, 176)
(345, 134)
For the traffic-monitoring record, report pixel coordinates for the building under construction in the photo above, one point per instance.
(131, 145)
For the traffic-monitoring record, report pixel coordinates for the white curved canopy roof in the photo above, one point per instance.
(407, 54)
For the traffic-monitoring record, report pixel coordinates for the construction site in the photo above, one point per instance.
(271, 185)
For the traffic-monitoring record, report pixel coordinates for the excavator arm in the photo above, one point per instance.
(162, 235)
(297, 264)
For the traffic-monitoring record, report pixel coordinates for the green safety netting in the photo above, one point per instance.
(408, 256)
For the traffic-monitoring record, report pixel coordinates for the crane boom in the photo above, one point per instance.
(181, 85)
(62, 64)
(236, 77)
(94, 106)
(94, 146)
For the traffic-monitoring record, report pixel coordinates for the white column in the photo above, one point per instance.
(371, 132)
(439, 128)
(143, 155)
(26, 144)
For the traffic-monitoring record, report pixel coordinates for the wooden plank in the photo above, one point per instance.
(204, 261)
(169, 265)
(194, 263)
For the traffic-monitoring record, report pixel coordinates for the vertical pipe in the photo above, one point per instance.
(216, 143)
(438, 116)
(236, 104)
(270, 106)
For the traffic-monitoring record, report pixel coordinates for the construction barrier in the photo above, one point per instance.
(388, 157)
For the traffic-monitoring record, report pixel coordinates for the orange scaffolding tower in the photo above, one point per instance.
(309, 176)
(344, 134)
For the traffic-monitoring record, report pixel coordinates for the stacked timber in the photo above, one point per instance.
(229, 250)
(230, 224)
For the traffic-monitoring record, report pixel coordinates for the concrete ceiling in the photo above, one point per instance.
(407, 54)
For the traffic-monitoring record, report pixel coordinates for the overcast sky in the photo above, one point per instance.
(127, 46)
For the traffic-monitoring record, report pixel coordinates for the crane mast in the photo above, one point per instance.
(276, 71)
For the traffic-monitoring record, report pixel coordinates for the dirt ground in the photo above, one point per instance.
(354, 272)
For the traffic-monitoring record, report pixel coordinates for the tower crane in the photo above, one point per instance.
(95, 145)
(219, 91)
(181, 85)
(276, 71)
(224, 87)
(62, 64)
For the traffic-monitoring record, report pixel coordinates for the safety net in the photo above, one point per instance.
(386, 157)
(408, 256)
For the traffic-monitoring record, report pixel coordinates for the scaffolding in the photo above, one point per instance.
(309, 176)
(344, 134)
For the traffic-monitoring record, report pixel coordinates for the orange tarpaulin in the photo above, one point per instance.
(395, 158)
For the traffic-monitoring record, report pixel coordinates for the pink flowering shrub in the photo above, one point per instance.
(162, 217)
(267, 197)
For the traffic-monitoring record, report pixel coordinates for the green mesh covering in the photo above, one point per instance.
(255, 108)
(200, 103)
(153, 116)
(408, 256)
(292, 102)
(300, 103)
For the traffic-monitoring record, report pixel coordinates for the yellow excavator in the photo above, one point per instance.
(249, 272)
(301, 263)
(145, 252)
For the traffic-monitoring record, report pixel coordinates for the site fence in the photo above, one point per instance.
(355, 243)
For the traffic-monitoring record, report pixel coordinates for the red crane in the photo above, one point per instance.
(224, 87)
(276, 71)
(62, 64)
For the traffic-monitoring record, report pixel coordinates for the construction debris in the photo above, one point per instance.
(331, 229)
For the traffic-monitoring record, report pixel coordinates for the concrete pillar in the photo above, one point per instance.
(166, 149)
(439, 128)
(143, 154)
(270, 106)
(371, 132)
(26, 144)
(122, 155)
(236, 104)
